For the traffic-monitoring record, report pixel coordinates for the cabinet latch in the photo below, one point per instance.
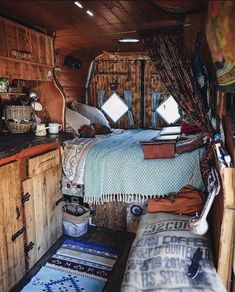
(28, 247)
(25, 197)
(18, 233)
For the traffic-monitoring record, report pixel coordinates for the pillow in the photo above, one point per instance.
(75, 120)
(90, 112)
(188, 129)
(101, 129)
(87, 131)
(189, 143)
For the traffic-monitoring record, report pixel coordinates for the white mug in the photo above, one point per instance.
(41, 130)
(54, 128)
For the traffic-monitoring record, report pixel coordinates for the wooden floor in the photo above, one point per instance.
(121, 241)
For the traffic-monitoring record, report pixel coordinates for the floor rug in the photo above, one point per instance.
(77, 266)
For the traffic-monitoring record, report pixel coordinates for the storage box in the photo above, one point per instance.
(75, 225)
(158, 149)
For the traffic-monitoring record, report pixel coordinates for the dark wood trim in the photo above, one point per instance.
(142, 92)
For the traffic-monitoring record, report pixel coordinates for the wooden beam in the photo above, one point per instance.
(227, 228)
(142, 92)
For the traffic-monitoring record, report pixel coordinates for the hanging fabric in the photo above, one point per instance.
(100, 97)
(168, 53)
(128, 99)
(200, 71)
(88, 80)
(155, 102)
(220, 38)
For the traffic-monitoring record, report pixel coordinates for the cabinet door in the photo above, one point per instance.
(43, 216)
(12, 257)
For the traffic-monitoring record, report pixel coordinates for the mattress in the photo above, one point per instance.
(114, 167)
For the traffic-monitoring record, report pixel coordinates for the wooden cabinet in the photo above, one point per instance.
(12, 258)
(43, 212)
(30, 211)
(24, 53)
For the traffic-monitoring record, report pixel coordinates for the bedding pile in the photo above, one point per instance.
(113, 166)
(161, 254)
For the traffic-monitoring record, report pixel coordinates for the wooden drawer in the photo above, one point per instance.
(43, 162)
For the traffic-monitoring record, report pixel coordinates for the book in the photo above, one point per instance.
(165, 138)
(175, 130)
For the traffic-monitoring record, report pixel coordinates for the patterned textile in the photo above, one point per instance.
(77, 266)
(200, 72)
(87, 131)
(167, 51)
(189, 143)
(221, 39)
(74, 158)
(160, 256)
(116, 166)
(71, 188)
(101, 129)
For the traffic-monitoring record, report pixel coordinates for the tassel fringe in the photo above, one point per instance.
(130, 198)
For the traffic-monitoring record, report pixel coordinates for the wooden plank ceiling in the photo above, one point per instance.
(112, 20)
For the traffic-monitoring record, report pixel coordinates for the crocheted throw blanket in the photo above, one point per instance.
(114, 168)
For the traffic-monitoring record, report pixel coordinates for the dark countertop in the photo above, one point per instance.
(11, 144)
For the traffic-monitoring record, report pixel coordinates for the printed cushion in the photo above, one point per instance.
(90, 112)
(71, 188)
(188, 129)
(87, 131)
(189, 143)
(160, 256)
(75, 120)
(101, 129)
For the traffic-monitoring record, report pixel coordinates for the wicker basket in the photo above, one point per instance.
(19, 112)
(18, 128)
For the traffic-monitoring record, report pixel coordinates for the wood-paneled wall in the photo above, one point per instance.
(126, 69)
(24, 53)
(72, 80)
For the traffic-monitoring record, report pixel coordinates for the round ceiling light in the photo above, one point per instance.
(128, 40)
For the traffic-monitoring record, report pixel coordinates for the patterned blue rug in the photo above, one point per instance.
(77, 266)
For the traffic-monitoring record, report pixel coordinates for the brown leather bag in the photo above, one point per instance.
(187, 201)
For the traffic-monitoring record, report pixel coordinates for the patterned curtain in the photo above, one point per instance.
(128, 99)
(155, 101)
(100, 97)
(221, 40)
(167, 51)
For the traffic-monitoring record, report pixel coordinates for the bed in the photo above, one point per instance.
(112, 167)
